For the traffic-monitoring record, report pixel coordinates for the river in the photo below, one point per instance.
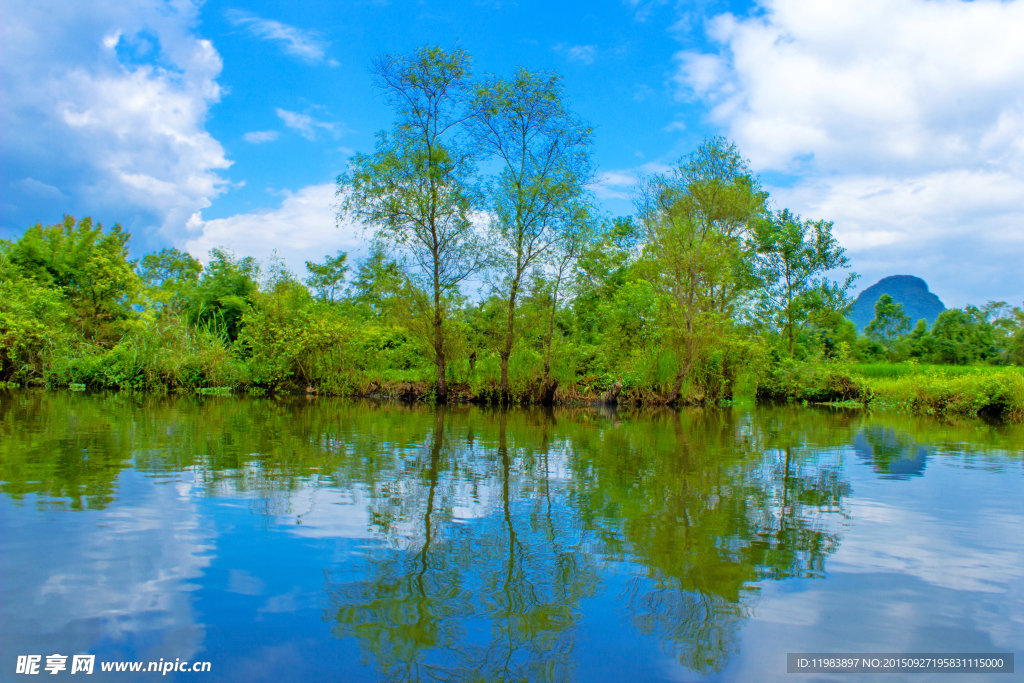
(317, 539)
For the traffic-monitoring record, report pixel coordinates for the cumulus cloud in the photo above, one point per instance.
(302, 229)
(108, 105)
(903, 119)
(306, 45)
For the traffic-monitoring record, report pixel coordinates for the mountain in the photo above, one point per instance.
(908, 290)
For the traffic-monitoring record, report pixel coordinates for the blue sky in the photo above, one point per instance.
(225, 123)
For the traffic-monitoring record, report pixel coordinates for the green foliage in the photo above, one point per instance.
(169, 267)
(889, 325)
(416, 191)
(703, 298)
(326, 278)
(223, 294)
(543, 151)
(996, 393)
(813, 382)
(293, 341)
(962, 336)
(88, 266)
(171, 276)
(792, 258)
(32, 321)
(698, 249)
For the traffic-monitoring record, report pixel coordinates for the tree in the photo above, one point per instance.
(889, 325)
(920, 340)
(88, 265)
(563, 258)
(962, 336)
(326, 278)
(32, 318)
(793, 256)
(170, 274)
(224, 292)
(543, 150)
(169, 266)
(1007, 324)
(698, 220)
(415, 191)
(378, 285)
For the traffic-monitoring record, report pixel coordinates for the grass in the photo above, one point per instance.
(946, 390)
(896, 370)
(996, 393)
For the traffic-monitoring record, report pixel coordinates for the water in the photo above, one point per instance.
(320, 539)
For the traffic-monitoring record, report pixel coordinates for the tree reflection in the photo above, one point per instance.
(492, 527)
(65, 455)
(496, 598)
(707, 513)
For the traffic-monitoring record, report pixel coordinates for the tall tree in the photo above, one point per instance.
(415, 190)
(793, 257)
(562, 261)
(224, 292)
(543, 151)
(698, 220)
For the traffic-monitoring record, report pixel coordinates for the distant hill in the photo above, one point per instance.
(908, 290)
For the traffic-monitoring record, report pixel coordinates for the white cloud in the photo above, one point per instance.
(127, 579)
(304, 123)
(577, 53)
(301, 229)
(306, 45)
(259, 136)
(903, 119)
(614, 184)
(617, 183)
(111, 137)
(963, 559)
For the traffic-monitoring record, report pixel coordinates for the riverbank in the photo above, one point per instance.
(969, 391)
(974, 391)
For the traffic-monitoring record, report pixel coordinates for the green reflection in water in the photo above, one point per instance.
(497, 598)
(493, 528)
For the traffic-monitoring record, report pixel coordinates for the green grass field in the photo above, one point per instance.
(944, 389)
(896, 370)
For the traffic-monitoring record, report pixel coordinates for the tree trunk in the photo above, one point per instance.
(503, 397)
(440, 361)
(677, 387)
(680, 375)
(503, 393)
(547, 391)
(551, 332)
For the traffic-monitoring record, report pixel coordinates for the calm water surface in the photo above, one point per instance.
(302, 540)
